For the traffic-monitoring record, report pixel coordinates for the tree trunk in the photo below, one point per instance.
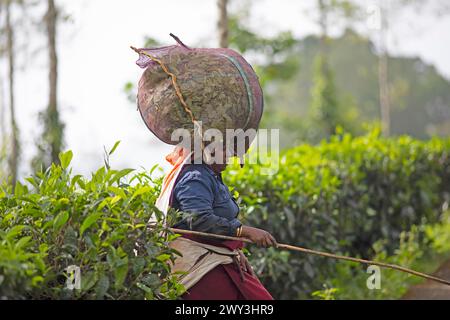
(2, 103)
(384, 94)
(383, 77)
(222, 24)
(52, 112)
(13, 158)
(3, 138)
(2, 113)
(323, 22)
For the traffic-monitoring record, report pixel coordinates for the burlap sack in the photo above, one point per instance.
(218, 85)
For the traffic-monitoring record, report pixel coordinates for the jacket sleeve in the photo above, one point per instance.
(195, 196)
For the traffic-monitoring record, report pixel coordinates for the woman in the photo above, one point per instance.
(207, 206)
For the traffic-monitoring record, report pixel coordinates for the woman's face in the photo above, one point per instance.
(220, 157)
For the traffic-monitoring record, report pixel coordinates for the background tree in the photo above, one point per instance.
(325, 105)
(52, 140)
(387, 13)
(3, 135)
(13, 159)
(326, 109)
(14, 23)
(383, 80)
(222, 24)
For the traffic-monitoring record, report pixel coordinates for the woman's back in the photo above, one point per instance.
(205, 201)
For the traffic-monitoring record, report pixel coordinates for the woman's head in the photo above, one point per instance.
(216, 152)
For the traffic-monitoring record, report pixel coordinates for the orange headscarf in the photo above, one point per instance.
(178, 157)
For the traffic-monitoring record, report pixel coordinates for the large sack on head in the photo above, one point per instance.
(218, 85)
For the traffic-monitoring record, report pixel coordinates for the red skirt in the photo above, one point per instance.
(225, 282)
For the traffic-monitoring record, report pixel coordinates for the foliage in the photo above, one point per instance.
(326, 293)
(341, 196)
(98, 224)
(357, 196)
(420, 96)
(418, 249)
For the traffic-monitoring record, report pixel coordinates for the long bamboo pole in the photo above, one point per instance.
(318, 253)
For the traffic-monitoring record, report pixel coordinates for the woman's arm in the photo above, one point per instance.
(195, 196)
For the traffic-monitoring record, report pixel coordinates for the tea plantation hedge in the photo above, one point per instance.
(97, 224)
(340, 196)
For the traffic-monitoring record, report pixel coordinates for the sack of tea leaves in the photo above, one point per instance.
(180, 85)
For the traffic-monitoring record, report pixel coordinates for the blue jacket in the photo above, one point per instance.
(205, 201)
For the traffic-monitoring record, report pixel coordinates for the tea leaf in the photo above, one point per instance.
(65, 158)
(89, 221)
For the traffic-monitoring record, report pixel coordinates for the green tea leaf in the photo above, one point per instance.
(140, 191)
(114, 148)
(22, 242)
(89, 221)
(88, 280)
(120, 273)
(120, 174)
(102, 287)
(65, 158)
(14, 231)
(163, 257)
(60, 220)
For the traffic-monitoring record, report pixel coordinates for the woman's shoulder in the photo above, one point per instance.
(196, 172)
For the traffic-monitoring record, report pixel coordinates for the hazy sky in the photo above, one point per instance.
(95, 62)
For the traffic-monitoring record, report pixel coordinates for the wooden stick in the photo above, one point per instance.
(318, 253)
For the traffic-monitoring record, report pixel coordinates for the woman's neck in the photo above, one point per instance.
(218, 168)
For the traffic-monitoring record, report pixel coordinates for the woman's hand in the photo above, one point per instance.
(258, 236)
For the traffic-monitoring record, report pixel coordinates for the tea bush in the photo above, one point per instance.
(425, 253)
(341, 196)
(98, 224)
